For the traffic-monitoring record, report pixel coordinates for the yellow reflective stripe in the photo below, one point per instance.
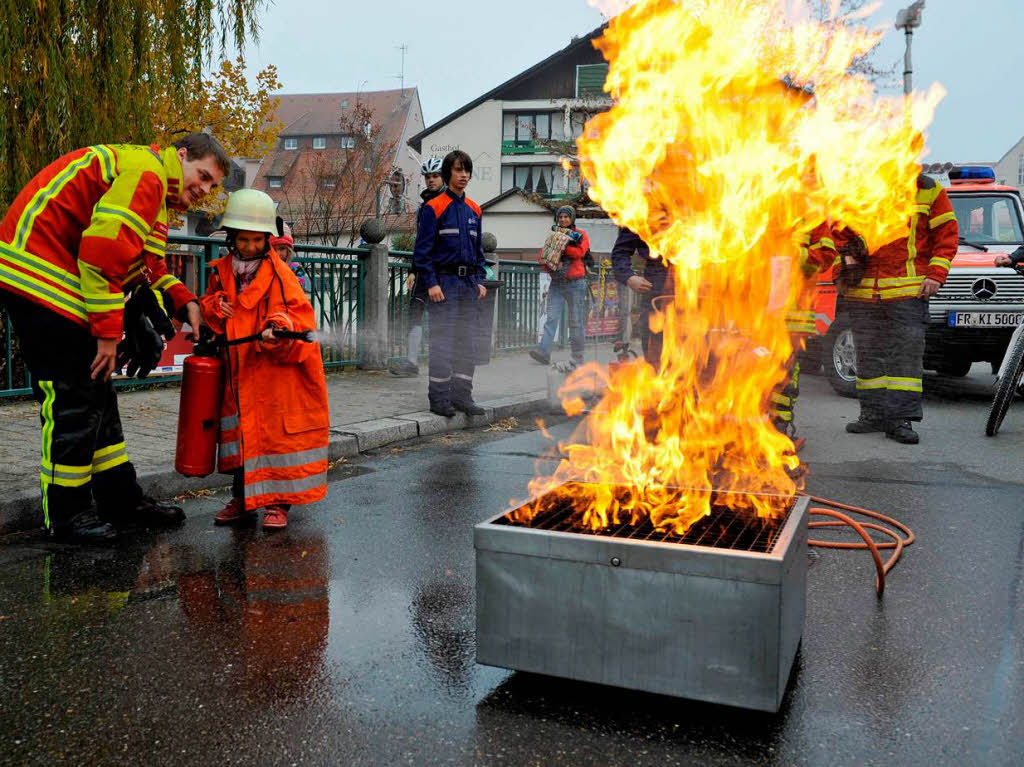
(155, 246)
(904, 384)
(40, 266)
(72, 304)
(56, 476)
(96, 292)
(108, 162)
(824, 242)
(896, 282)
(126, 215)
(165, 282)
(109, 456)
(782, 415)
(943, 262)
(940, 220)
(781, 399)
(46, 413)
(873, 383)
(928, 196)
(44, 195)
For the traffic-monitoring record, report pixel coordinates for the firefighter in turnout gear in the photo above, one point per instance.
(817, 253)
(449, 260)
(87, 229)
(889, 313)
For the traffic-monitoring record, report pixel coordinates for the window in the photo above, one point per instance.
(537, 179)
(590, 80)
(319, 142)
(291, 143)
(330, 182)
(274, 182)
(524, 127)
(348, 142)
(988, 220)
(344, 104)
(1020, 169)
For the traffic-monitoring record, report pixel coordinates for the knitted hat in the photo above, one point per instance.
(568, 210)
(284, 239)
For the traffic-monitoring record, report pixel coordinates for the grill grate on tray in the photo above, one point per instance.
(722, 529)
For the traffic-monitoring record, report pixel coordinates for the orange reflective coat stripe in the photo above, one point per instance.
(274, 413)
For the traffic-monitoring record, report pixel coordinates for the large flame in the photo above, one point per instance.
(735, 127)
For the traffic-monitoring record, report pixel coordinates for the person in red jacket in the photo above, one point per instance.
(86, 230)
(274, 416)
(568, 287)
(889, 313)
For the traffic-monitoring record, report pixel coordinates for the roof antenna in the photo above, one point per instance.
(401, 77)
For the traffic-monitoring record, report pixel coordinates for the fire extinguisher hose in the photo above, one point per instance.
(845, 520)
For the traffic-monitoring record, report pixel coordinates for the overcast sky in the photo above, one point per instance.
(462, 48)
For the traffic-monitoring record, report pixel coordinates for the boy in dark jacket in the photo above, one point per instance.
(449, 260)
(409, 367)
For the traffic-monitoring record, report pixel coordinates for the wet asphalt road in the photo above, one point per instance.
(348, 638)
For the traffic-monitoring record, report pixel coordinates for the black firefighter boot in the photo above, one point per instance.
(902, 432)
(84, 527)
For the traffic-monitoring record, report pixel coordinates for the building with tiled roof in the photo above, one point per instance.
(342, 158)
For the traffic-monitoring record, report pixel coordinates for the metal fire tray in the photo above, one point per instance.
(666, 616)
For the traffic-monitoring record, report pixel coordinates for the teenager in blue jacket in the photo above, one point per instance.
(449, 260)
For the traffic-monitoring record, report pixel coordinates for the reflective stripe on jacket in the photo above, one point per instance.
(89, 226)
(895, 271)
(817, 253)
(449, 234)
(274, 413)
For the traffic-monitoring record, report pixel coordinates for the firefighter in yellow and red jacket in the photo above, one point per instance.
(817, 252)
(889, 313)
(88, 228)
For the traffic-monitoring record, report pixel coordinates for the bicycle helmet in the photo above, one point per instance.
(430, 166)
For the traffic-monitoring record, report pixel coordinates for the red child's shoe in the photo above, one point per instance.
(233, 511)
(275, 518)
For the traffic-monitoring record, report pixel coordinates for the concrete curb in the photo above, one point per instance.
(21, 512)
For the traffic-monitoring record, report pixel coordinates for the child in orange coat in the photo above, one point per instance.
(274, 413)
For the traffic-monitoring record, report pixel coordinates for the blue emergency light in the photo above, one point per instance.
(972, 173)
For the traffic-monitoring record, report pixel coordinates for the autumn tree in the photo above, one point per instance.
(334, 190)
(242, 118)
(856, 13)
(79, 72)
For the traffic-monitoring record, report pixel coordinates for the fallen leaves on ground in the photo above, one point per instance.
(190, 494)
(505, 424)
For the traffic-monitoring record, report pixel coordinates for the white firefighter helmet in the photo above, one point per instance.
(250, 210)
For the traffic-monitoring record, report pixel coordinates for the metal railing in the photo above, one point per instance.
(333, 278)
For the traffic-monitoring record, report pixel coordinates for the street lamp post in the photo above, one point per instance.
(908, 20)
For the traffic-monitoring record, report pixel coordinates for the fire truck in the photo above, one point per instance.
(974, 314)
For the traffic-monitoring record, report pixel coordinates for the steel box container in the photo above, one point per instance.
(695, 622)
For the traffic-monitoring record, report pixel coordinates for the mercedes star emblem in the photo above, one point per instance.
(984, 289)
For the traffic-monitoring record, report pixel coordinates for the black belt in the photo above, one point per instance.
(461, 271)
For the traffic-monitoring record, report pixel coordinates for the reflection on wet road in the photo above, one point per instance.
(349, 638)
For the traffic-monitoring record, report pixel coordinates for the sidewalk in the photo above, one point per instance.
(369, 409)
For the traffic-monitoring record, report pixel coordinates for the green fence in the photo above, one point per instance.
(333, 279)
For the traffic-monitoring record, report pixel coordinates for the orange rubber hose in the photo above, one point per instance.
(843, 520)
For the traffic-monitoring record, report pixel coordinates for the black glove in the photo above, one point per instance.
(141, 348)
(1017, 257)
(146, 302)
(142, 345)
(853, 260)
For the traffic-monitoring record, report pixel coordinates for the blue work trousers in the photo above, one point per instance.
(561, 293)
(453, 330)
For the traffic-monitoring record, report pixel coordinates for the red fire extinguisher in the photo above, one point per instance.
(199, 411)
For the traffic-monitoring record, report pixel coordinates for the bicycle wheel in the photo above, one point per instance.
(1006, 387)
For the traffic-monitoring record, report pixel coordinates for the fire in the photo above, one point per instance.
(719, 165)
